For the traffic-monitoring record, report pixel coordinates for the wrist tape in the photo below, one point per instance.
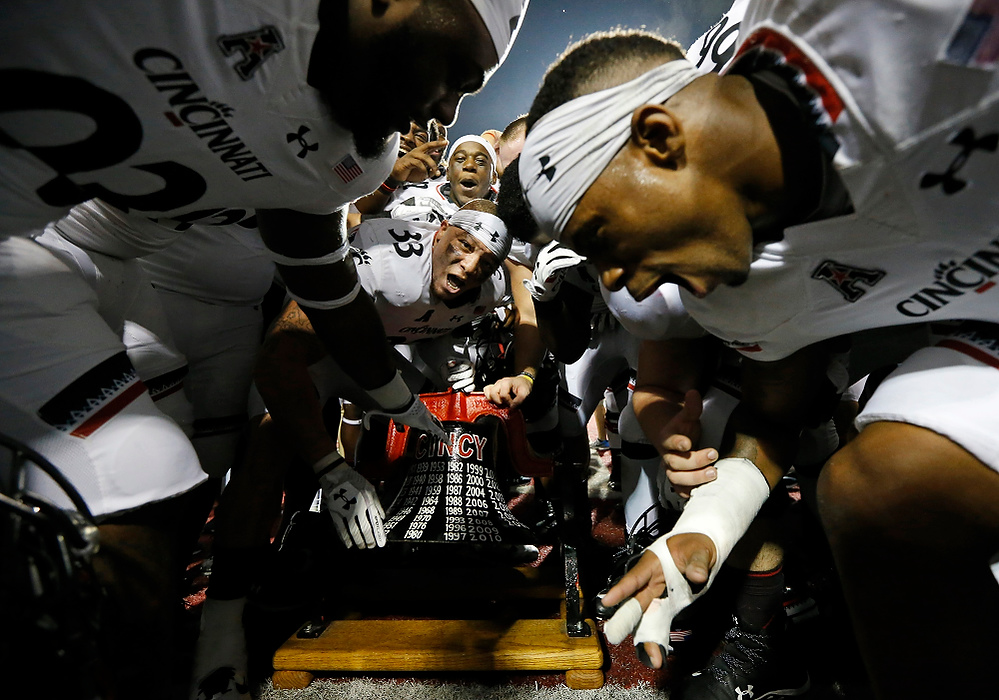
(328, 463)
(392, 396)
(329, 303)
(721, 509)
(334, 257)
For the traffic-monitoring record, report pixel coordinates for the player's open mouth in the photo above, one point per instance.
(469, 183)
(454, 283)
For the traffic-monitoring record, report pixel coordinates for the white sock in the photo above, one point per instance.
(222, 641)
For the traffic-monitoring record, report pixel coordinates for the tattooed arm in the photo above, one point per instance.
(282, 377)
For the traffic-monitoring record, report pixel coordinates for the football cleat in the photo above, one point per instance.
(643, 533)
(749, 666)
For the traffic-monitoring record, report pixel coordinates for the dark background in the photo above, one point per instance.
(550, 26)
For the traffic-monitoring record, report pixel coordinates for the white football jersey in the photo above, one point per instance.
(223, 265)
(394, 263)
(912, 102)
(428, 201)
(206, 123)
(712, 51)
(659, 317)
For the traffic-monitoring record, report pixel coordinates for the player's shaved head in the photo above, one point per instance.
(597, 62)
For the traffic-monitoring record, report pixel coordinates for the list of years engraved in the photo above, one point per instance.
(450, 493)
(422, 483)
(466, 507)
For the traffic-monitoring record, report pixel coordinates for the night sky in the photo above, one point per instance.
(550, 26)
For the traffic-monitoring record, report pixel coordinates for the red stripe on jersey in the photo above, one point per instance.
(970, 351)
(109, 410)
(168, 391)
(769, 39)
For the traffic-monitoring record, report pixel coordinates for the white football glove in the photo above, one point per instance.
(553, 262)
(460, 374)
(353, 504)
(415, 414)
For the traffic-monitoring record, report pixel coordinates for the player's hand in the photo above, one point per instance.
(553, 262)
(421, 163)
(645, 609)
(415, 414)
(686, 467)
(354, 506)
(460, 374)
(509, 392)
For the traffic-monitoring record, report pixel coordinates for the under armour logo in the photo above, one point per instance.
(968, 143)
(845, 279)
(545, 170)
(342, 495)
(493, 237)
(300, 137)
(747, 693)
(255, 48)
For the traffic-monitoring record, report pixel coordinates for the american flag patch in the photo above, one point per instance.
(348, 169)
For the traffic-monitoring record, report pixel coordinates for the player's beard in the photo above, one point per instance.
(359, 97)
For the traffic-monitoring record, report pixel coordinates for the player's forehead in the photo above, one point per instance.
(471, 149)
(479, 246)
(464, 236)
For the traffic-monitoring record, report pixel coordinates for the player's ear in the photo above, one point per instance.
(658, 132)
(390, 9)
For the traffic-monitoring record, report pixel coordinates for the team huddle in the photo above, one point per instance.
(771, 251)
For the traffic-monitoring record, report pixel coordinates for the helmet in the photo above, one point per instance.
(49, 596)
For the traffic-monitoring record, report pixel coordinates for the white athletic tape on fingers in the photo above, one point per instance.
(721, 509)
(656, 624)
(658, 618)
(623, 622)
(329, 304)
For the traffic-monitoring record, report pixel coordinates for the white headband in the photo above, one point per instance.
(567, 149)
(487, 228)
(502, 19)
(477, 139)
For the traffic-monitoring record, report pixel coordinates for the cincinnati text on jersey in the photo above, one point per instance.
(191, 108)
(954, 280)
(425, 330)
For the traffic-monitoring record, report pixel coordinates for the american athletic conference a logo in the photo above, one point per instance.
(846, 279)
(255, 47)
